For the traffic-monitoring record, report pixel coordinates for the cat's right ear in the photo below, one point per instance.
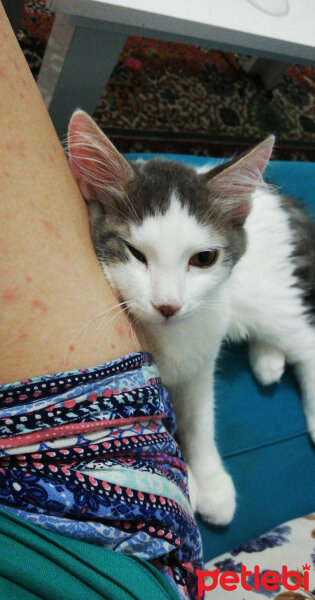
(100, 170)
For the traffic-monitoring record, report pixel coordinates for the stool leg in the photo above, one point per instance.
(87, 57)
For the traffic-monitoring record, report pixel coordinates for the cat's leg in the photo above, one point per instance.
(211, 487)
(266, 361)
(296, 341)
(300, 350)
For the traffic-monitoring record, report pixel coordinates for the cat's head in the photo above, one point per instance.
(166, 235)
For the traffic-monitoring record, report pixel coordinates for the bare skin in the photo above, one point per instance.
(57, 310)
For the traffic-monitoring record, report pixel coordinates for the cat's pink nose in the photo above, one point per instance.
(167, 310)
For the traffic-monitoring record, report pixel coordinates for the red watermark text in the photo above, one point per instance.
(268, 580)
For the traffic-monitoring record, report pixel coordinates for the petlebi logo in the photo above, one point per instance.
(267, 580)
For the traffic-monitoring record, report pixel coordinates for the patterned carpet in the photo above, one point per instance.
(165, 97)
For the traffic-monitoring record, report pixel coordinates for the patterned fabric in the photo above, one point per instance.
(291, 544)
(89, 454)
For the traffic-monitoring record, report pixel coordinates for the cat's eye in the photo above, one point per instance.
(138, 255)
(204, 259)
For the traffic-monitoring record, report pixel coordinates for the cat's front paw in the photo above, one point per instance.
(216, 498)
(267, 362)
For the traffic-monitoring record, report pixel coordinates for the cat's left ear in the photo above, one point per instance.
(100, 170)
(232, 184)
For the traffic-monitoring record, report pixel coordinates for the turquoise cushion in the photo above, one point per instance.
(261, 431)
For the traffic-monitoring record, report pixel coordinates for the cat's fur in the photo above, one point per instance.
(147, 220)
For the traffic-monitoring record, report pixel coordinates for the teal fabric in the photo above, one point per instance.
(261, 431)
(40, 565)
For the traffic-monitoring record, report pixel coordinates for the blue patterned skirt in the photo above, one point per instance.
(90, 454)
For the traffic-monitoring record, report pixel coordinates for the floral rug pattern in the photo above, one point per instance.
(175, 98)
(291, 544)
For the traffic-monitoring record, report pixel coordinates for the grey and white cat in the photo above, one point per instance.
(200, 256)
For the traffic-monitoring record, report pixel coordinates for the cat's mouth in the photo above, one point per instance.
(168, 322)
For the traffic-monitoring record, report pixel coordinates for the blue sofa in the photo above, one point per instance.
(261, 431)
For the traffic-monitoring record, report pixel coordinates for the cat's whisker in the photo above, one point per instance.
(209, 301)
(210, 305)
(110, 324)
(103, 332)
(84, 327)
(101, 280)
(103, 321)
(100, 324)
(124, 308)
(132, 324)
